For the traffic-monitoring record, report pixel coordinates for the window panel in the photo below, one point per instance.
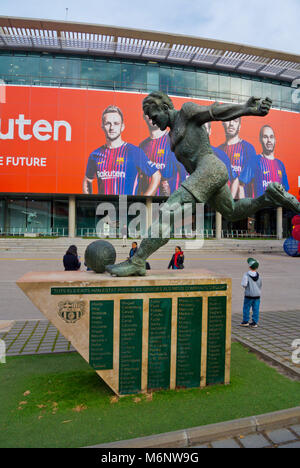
(236, 87)
(246, 88)
(286, 97)
(257, 89)
(6, 65)
(213, 85)
(201, 84)
(276, 95)
(152, 78)
(266, 89)
(165, 79)
(133, 76)
(224, 86)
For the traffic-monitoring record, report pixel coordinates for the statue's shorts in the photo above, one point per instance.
(210, 175)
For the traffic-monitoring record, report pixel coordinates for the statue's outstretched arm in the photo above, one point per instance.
(254, 106)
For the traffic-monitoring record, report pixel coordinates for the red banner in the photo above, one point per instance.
(74, 141)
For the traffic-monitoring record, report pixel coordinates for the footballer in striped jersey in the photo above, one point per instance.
(157, 149)
(116, 164)
(242, 156)
(269, 168)
(232, 176)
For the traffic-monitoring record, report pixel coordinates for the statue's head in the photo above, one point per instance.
(157, 106)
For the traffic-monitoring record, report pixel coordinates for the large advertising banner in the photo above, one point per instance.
(78, 141)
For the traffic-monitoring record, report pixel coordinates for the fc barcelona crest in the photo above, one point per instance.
(70, 312)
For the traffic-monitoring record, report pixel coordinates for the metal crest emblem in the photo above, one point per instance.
(71, 312)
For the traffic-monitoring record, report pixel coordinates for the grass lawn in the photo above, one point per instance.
(59, 401)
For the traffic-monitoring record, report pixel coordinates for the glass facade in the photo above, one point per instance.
(44, 217)
(49, 217)
(45, 69)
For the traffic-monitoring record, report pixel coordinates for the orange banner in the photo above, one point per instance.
(74, 141)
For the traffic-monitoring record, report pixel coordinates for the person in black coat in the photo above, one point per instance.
(177, 260)
(71, 260)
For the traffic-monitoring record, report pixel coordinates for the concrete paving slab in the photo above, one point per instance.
(281, 436)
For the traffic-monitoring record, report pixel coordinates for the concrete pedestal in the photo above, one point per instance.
(162, 331)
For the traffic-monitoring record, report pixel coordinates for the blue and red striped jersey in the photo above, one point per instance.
(267, 171)
(158, 150)
(116, 169)
(225, 159)
(243, 161)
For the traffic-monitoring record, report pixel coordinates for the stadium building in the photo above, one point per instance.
(73, 135)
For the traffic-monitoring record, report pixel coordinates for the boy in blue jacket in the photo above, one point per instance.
(252, 283)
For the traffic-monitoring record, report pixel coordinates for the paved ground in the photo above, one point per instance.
(34, 337)
(274, 337)
(287, 437)
(281, 279)
(27, 332)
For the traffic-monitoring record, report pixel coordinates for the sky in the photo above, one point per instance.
(270, 24)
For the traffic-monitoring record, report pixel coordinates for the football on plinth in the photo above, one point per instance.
(98, 254)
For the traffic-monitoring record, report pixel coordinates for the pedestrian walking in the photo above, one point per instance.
(177, 260)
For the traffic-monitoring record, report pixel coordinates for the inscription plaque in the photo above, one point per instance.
(130, 361)
(189, 331)
(159, 331)
(138, 289)
(101, 334)
(216, 340)
(159, 345)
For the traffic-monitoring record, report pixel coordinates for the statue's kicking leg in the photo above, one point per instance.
(162, 228)
(274, 196)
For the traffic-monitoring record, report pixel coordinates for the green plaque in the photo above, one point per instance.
(216, 340)
(101, 334)
(159, 347)
(189, 333)
(131, 330)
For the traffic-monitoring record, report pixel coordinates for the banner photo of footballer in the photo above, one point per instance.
(157, 149)
(268, 169)
(116, 164)
(87, 141)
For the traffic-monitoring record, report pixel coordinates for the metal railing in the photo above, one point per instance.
(92, 233)
(34, 232)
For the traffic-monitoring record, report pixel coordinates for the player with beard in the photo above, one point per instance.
(233, 181)
(269, 169)
(242, 156)
(157, 149)
(116, 164)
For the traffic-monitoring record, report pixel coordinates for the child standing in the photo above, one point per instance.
(252, 283)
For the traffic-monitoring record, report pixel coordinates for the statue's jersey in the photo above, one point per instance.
(243, 161)
(116, 169)
(159, 152)
(267, 171)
